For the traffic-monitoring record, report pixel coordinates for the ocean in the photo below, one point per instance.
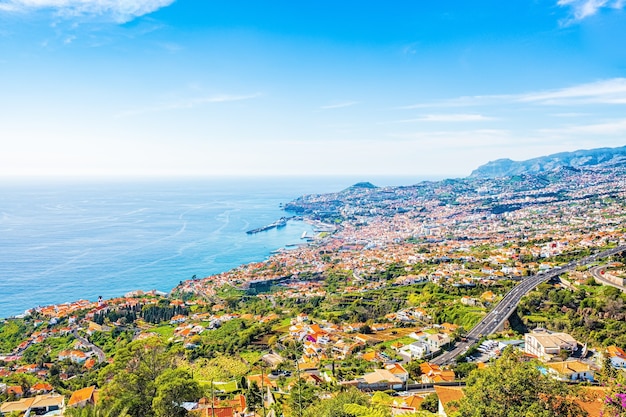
(66, 240)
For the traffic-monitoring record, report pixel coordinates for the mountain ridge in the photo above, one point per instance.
(576, 159)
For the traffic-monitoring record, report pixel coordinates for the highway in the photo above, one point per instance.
(501, 312)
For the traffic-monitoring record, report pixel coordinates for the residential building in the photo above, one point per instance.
(380, 379)
(432, 373)
(399, 371)
(571, 370)
(83, 397)
(617, 357)
(437, 341)
(416, 350)
(41, 404)
(547, 345)
(447, 395)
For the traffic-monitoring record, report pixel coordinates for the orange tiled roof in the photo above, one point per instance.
(413, 401)
(82, 395)
(616, 351)
(41, 386)
(15, 389)
(444, 376)
(397, 369)
(447, 395)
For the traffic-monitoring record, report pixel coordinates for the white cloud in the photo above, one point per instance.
(611, 91)
(454, 118)
(459, 139)
(118, 10)
(571, 114)
(339, 105)
(188, 104)
(615, 127)
(581, 9)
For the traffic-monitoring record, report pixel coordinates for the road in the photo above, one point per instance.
(99, 353)
(596, 272)
(501, 312)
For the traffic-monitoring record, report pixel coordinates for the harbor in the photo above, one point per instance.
(282, 222)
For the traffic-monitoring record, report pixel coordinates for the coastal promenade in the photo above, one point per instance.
(495, 319)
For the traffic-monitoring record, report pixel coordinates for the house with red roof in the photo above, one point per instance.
(41, 388)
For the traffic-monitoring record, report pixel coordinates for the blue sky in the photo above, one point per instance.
(203, 87)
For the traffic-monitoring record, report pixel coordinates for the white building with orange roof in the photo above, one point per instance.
(571, 370)
(432, 373)
(447, 397)
(41, 404)
(73, 355)
(399, 371)
(380, 379)
(617, 356)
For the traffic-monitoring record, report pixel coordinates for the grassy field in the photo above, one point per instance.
(164, 330)
(392, 335)
(251, 357)
(405, 340)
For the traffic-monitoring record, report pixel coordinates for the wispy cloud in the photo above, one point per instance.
(188, 104)
(459, 139)
(611, 91)
(454, 118)
(571, 114)
(614, 127)
(339, 105)
(581, 9)
(118, 10)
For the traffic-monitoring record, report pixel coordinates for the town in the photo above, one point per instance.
(392, 279)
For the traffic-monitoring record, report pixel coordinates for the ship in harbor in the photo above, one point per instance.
(282, 222)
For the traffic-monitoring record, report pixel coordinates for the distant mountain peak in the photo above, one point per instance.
(575, 160)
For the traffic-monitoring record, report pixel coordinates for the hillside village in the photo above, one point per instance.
(393, 277)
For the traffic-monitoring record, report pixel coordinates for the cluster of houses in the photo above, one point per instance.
(79, 354)
(49, 403)
(320, 340)
(552, 348)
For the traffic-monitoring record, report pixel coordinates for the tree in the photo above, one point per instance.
(513, 388)
(25, 381)
(608, 373)
(254, 397)
(174, 386)
(134, 374)
(430, 403)
(333, 407)
(463, 369)
(92, 411)
(302, 396)
(414, 370)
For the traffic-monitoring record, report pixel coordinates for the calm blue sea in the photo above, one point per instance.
(65, 240)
